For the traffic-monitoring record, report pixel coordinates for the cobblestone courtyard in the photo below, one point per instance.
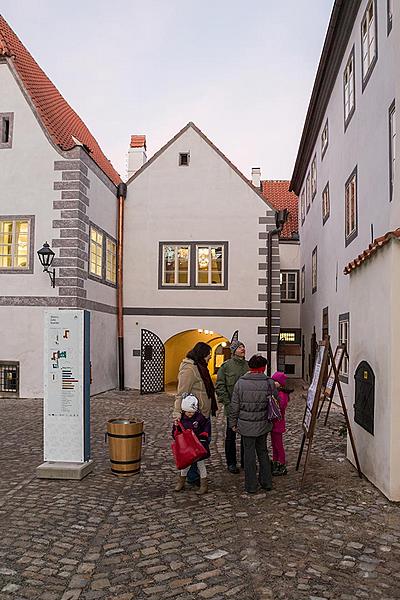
(106, 537)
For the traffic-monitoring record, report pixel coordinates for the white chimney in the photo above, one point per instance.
(256, 177)
(137, 154)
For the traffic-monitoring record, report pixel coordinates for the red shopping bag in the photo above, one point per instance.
(186, 447)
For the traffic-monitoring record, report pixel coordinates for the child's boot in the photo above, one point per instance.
(274, 467)
(180, 483)
(203, 486)
(282, 469)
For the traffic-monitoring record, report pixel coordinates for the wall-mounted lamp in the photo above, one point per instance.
(46, 257)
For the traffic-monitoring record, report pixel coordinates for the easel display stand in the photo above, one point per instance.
(316, 397)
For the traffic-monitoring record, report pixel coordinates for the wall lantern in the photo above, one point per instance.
(46, 257)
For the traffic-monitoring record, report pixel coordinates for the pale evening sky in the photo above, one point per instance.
(241, 70)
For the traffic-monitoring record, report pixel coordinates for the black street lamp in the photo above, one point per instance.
(46, 257)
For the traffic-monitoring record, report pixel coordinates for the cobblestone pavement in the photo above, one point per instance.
(106, 537)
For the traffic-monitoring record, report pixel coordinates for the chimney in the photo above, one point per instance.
(137, 154)
(256, 177)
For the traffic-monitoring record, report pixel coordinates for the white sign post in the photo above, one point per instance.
(66, 406)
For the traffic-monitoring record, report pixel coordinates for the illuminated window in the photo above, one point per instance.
(368, 41)
(348, 89)
(14, 243)
(351, 208)
(111, 261)
(96, 252)
(209, 265)
(175, 265)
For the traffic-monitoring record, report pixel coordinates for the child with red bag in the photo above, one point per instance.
(192, 418)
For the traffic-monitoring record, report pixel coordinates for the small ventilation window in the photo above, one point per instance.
(6, 129)
(184, 159)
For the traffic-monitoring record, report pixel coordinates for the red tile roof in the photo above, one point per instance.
(376, 245)
(276, 192)
(60, 120)
(138, 141)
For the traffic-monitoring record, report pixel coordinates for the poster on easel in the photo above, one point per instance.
(314, 397)
(330, 387)
(314, 391)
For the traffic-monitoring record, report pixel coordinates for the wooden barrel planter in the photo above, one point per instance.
(125, 446)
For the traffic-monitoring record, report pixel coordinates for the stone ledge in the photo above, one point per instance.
(64, 470)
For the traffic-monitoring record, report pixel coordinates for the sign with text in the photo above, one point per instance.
(314, 390)
(66, 386)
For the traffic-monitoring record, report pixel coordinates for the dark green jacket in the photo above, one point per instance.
(228, 374)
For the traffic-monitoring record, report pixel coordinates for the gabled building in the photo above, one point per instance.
(57, 186)
(195, 259)
(345, 175)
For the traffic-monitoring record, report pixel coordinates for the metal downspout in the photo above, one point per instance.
(121, 194)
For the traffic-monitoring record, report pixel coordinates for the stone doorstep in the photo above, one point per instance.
(64, 470)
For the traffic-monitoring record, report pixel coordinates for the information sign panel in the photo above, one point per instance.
(66, 386)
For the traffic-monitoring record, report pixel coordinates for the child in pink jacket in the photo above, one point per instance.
(279, 427)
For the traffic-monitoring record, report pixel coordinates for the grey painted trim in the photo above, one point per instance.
(10, 117)
(365, 77)
(192, 265)
(56, 301)
(352, 236)
(70, 165)
(392, 110)
(69, 243)
(323, 150)
(31, 266)
(75, 176)
(353, 110)
(338, 34)
(209, 142)
(326, 217)
(103, 280)
(195, 312)
(69, 205)
(74, 195)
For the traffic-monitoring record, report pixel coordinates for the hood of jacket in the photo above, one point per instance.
(280, 378)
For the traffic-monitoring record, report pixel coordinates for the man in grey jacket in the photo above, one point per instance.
(248, 416)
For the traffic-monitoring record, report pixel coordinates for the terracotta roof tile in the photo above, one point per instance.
(138, 141)
(376, 245)
(60, 120)
(276, 192)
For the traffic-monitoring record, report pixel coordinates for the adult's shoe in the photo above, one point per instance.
(233, 469)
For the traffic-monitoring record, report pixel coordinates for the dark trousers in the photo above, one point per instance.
(230, 447)
(256, 446)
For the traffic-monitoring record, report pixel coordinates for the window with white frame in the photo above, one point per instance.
(175, 260)
(209, 265)
(324, 139)
(348, 89)
(302, 206)
(303, 283)
(368, 41)
(289, 286)
(314, 177)
(314, 270)
(392, 147)
(325, 204)
(344, 322)
(111, 261)
(96, 252)
(308, 192)
(389, 15)
(14, 243)
(351, 208)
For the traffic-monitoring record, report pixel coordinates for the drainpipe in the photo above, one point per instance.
(121, 194)
(280, 219)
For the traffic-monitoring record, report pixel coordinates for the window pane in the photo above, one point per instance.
(203, 277)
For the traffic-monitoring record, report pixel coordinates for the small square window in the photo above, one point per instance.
(184, 158)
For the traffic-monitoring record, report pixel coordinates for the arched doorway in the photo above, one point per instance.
(177, 346)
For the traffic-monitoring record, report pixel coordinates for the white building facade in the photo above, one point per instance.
(195, 260)
(344, 176)
(57, 187)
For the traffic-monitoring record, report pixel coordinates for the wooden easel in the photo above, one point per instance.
(314, 397)
(330, 387)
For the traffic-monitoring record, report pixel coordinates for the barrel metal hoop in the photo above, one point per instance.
(127, 436)
(125, 462)
(125, 472)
